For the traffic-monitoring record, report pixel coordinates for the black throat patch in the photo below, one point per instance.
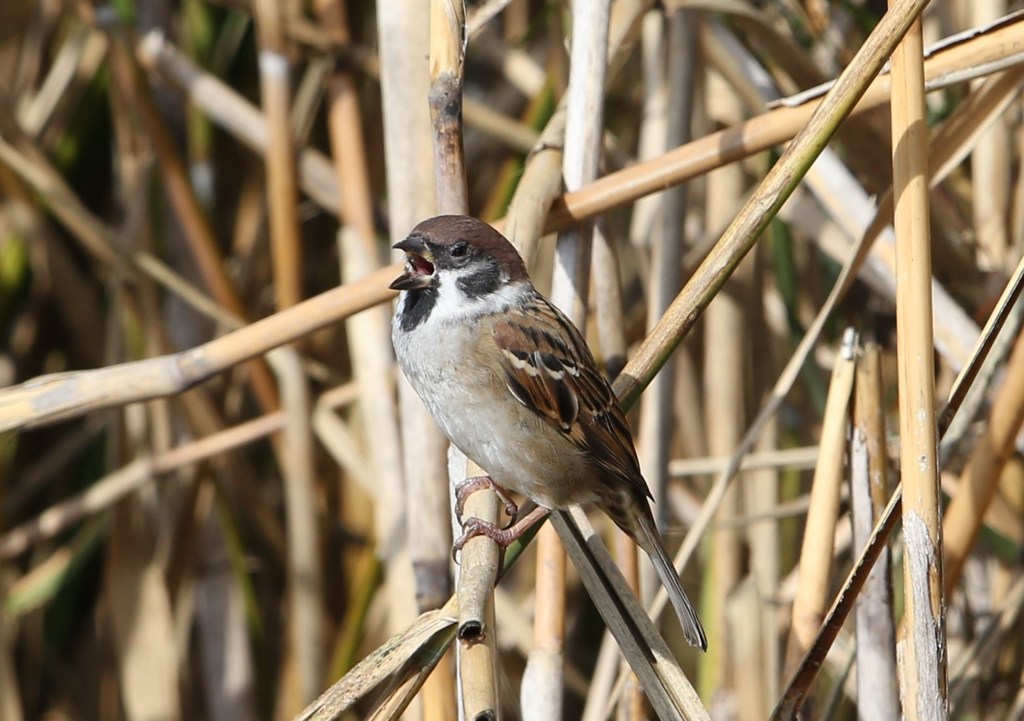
(417, 308)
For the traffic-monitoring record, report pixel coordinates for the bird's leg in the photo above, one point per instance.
(504, 537)
(470, 486)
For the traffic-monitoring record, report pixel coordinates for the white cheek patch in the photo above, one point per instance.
(454, 306)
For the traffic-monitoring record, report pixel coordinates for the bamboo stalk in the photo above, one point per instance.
(923, 662)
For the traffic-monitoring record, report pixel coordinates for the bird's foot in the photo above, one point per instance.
(504, 537)
(470, 486)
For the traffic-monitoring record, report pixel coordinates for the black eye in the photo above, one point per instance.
(460, 249)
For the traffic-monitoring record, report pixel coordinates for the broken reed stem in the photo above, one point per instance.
(923, 646)
(447, 57)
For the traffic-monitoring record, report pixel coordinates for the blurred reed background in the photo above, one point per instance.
(227, 528)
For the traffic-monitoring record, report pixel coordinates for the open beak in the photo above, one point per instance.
(419, 266)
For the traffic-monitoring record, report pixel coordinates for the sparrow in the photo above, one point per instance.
(512, 383)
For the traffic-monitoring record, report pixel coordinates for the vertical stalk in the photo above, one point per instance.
(923, 663)
(725, 376)
(282, 182)
(816, 553)
(403, 33)
(570, 282)
(877, 688)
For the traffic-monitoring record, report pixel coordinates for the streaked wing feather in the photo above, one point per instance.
(550, 370)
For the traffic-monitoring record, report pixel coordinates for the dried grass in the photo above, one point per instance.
(219, 501)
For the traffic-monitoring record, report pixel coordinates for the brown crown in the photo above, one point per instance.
(450, 229)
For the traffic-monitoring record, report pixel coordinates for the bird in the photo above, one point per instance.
(512, 384)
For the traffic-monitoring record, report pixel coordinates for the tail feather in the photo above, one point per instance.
(650, 541)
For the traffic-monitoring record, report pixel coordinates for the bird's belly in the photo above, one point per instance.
(520, 450)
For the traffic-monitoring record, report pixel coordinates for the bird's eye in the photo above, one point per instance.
(460, 249)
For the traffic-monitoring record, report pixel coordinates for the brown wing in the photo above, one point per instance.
(549, 369)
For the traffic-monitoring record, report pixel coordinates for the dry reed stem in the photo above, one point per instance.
(609, 320)
(726, 349)
(477, 650)
(666, 247)
(991, 173)
(542, 180)
(447, 58)
(411, 190)
(978, 654)
(877, 687)
(282, 187)
(198, 231)
(923, 659)
(141, 617)
(670, 693)
(375, 292)
(511, 133)
(542, 689)
(340, 442)
(374, 368)
(952, 141)
(777, 394)
(305, 568)
(799, 684)
(59, 396)
(23, 157)
(425, 639)
(816, 549)
(776, 459)
(989, 337)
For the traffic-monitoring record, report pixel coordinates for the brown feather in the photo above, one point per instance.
(560, 383)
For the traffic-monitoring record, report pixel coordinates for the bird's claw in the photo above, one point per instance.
(503, 537)
(478, 483)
